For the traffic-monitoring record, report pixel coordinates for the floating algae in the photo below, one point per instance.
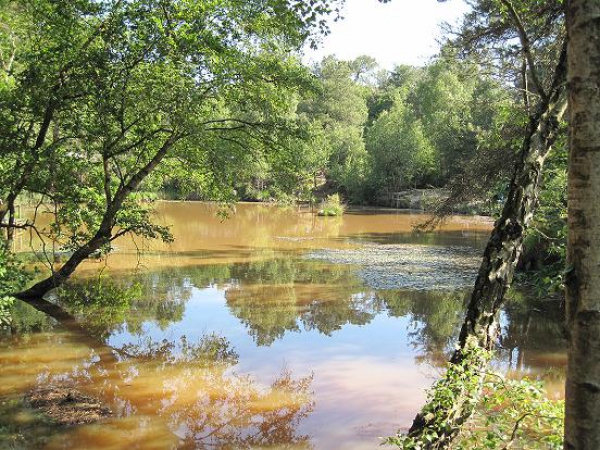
(406, 266)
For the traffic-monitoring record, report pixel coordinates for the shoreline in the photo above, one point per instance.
(349, 208)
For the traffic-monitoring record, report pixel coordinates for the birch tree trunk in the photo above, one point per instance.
(582, 418)
(495, 276)
(506, 241)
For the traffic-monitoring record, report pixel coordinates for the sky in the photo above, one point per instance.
(399, 32)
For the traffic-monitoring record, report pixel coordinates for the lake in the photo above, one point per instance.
(270, 328)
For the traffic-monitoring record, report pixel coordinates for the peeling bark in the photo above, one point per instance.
(506, 241)
(582, 415)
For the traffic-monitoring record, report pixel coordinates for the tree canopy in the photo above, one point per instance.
(101, 98)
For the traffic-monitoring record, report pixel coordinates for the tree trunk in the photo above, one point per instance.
(500, 258)
(38, 290)
(506, 241)
(582, 416)
(103, 235)
(10, 230)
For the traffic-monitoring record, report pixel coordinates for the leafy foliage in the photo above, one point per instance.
(401, 154)
(544, 254)
(510, 413)
(336, 116)
(105, 99)
(516, 414)
(332, 206)
(461, 380)
(12, 278)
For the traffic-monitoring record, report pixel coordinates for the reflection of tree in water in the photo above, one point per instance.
(329, 316)
(25, 319)
(163, 299)
(107, 305)
(278, 296)
(268, 312)
(533, 335)
(435, 316)
(285, 297)
(228, 411)
(270, 297)
(188, 387)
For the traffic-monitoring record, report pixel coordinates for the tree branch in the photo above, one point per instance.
(526, 47)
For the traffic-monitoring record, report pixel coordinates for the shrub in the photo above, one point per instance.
(509, 414)
(12, 279)
(332, 206)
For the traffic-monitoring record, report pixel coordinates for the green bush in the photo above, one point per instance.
(510, 413)
(12, 279)
(332, 206)
(514, 414)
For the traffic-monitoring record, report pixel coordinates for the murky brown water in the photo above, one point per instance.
(242, 340)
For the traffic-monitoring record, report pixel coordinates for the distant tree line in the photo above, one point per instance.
(368, 131)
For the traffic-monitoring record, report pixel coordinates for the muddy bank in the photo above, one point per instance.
(66, 406)
(405, 266)
(34, 419)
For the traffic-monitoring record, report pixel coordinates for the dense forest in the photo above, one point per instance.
(107, 106)
(364, 132)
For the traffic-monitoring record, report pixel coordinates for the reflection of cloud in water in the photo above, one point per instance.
(345, 399)
(405, 266)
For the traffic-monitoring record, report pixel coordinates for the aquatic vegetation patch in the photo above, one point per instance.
(332, 206)
(405, 266)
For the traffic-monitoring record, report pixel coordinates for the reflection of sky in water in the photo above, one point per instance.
(206, 312)
(365, 380)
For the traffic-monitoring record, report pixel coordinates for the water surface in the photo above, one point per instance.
(242, 338)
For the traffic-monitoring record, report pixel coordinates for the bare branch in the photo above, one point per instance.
(526, 47)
